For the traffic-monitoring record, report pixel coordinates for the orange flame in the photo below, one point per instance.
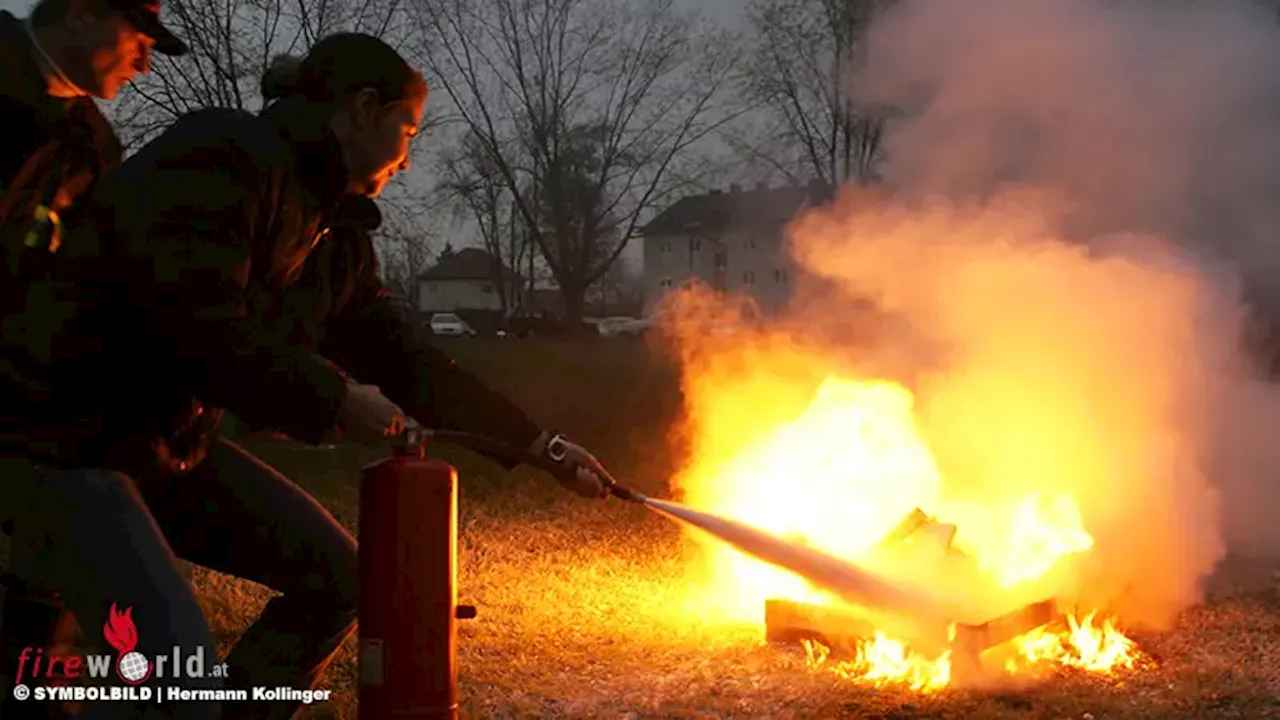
(1084, 645)
(1030, 398)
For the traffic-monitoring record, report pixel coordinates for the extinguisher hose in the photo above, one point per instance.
(504, 451)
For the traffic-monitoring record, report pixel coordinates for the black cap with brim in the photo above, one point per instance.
(147, 20)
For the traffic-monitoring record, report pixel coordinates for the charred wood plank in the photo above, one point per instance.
(903, 530)
(842, 630)
(788, 621)
(1001, 630)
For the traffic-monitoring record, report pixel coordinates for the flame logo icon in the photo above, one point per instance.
(132, 666)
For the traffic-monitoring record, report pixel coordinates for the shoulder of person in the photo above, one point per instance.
(101, 135)
(222, 136)
(359, 212)
(12, 35)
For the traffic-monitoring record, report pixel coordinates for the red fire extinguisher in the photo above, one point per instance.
(408, 585)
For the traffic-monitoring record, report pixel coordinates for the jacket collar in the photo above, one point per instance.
(23, 80)
(322, 164)
(359, 211)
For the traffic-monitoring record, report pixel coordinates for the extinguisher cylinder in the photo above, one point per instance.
(408, 588)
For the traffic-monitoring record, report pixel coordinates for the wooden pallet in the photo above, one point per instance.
(843, 630)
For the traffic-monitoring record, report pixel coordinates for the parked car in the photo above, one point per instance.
(636, 327)
(640, 327)
(449, 324)
(610, 326)
(528, 325)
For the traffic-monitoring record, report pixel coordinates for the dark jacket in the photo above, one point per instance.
(53, 152)
(193, 239)
(346, 313)
(53, 149)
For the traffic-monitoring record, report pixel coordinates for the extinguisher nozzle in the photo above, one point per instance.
(627, 494)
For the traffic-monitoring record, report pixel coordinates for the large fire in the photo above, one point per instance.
(1041, 426)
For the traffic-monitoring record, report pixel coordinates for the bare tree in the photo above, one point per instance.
(232, 42)
(475, 184)
(798, 74)
(620, 286)
(535, 81)
(405, 240)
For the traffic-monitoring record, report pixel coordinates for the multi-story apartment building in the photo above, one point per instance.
(733, 241)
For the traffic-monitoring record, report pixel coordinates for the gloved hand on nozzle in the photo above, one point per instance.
(575, 467)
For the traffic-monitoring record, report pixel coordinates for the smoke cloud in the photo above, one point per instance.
(1143, 116)
(1084, 212)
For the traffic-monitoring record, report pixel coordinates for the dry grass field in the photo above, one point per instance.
(577, 600)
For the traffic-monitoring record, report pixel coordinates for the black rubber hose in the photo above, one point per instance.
(503, 451)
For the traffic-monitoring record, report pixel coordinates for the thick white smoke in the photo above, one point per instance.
(1085, 192)
(1153, 116)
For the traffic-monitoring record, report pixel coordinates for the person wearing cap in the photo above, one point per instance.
(57, 143)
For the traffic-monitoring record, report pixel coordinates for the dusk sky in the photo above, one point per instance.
(727, 11)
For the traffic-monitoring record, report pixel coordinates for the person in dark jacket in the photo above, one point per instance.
(157, 315)
(341, 309)
(182, 285)
(57, 143)
(56, 61)
(345, 312)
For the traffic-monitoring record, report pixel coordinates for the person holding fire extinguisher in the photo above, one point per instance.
(198, 238)
(342, 309)
(157, 314)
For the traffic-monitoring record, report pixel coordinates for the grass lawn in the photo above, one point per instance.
(576, 599)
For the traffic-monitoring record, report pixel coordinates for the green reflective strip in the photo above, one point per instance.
(44, 217)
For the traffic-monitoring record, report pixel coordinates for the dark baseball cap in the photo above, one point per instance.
(145, 15)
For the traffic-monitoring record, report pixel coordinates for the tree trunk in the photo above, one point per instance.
(573, 307)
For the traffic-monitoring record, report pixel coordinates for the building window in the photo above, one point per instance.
(665, 282)
(780, 275)
(749, 277)
(695, 245)
(665, 246)
(722, 260)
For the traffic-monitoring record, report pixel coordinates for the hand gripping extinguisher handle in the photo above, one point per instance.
(620, 491)
(503, 451)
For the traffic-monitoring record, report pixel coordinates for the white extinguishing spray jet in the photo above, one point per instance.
(849, 582)
(833, 574)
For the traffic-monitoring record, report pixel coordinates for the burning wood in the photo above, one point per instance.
(789, 621)
(912, 522)
(844, 631)
(979, 638)
(786, 622)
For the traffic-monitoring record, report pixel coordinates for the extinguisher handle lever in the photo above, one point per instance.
(624, 493)
(503, 451)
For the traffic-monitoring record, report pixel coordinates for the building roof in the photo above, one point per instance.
(718, 211)
(465, 264)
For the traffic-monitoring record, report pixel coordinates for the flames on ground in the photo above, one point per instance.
(1042, 400)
